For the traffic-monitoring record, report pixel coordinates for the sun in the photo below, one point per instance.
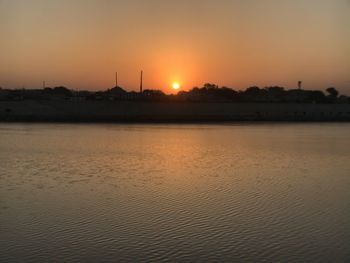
(176, 85)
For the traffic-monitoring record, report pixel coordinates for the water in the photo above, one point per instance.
(213, 193)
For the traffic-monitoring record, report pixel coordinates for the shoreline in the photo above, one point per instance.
(62, 111)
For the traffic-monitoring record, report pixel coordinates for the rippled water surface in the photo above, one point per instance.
(119, 193)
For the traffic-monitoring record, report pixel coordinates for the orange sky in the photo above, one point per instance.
(81, 43)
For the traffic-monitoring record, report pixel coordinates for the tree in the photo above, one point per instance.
(62, 91)
(210, 86)
(333, 93)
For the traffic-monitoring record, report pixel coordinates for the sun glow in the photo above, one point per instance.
(176, 85)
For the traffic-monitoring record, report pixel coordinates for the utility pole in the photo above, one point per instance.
(141, 82)
(116, 79)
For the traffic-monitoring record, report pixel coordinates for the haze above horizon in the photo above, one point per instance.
(80, 44)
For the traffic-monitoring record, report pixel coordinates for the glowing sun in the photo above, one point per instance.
(176, 85)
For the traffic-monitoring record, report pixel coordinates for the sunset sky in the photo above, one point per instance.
(236, 43)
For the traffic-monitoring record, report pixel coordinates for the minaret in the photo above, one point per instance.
(141, 82)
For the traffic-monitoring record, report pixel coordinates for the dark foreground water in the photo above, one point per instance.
(205, 193)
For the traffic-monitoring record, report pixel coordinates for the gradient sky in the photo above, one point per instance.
(237, 43)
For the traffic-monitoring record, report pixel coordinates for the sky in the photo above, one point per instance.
(236, 43)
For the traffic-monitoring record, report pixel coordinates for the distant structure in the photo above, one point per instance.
(141, 82)
(44, 84)
(300, 83)
(116, 79)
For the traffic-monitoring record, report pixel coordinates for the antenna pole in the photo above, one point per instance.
(141, 82)
(116, 79)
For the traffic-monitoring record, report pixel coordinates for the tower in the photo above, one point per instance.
(300, 84)
(116, 79)
(141, 82)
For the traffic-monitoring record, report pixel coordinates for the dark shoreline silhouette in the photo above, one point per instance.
(207, 93)
(207, 104)
(129, 111)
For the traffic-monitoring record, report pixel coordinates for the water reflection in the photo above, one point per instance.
(175, 192)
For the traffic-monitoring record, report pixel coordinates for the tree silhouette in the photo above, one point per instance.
(332, 92)
(209, 92)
